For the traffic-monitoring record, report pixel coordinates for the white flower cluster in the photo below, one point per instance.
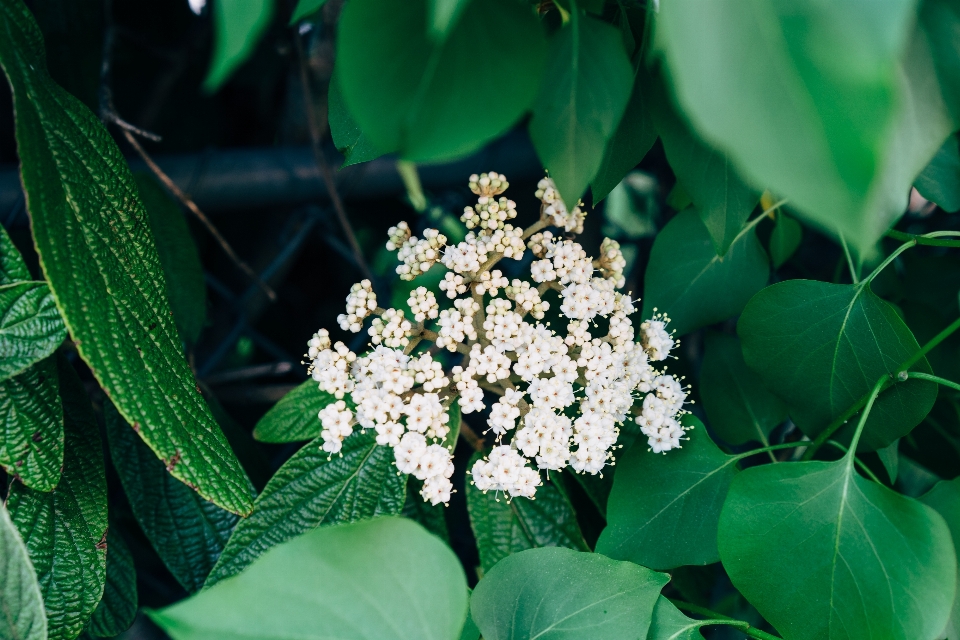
(561, 397)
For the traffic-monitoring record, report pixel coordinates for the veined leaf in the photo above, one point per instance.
(294, 417)
(21, 605)
(30, 326)
(12, 267)
(346, 133)
(669, 624)
(98, 255)
(238, 27)
(944, 498)
(116, 611)
(313, 489)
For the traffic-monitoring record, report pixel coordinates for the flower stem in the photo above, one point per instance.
(715, 618)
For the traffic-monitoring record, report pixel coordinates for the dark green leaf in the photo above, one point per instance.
(941, 20)
(784, 239)
(663, 508)
(421, 98)
(98, 255)
(116, 611)
(30, 326)
(821, 347)
(21, 605)
(430, 516)
(385, 578)
(346, 133)
(689, 282)
(940, 181)
(944, 498)
(739, 407)
(306, 8)
(587, 86)
(560, 594)
(294, 417)
(669, 624)
(12, 267)
(238, 27)
(825, 554)
(890, 458)
(442, 15)
(187, 532)
(65, 530)
(313, 489)
(454, 419)
(631, 208)
(470, 629)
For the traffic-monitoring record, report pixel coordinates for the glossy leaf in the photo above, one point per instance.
(30, 326)
(65, 530)
(306, 8)
(116, 611)
(663, 509)
(839, 340)
(694, 286)
(823, 553)
(385, 578)
(944, 498)
(669, 624)
(576, 113)
(98, 255)
(784, 239)
(31, 424)
(740, 409)
(417, 96)
(940, 181)
(21, 605)
(187, 532)
(313, 489)
(238, 27)
(294, 417)
(346, 133)
(561, 594)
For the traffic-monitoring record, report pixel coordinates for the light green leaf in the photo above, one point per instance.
(587, 87)
(689, 282)
(346, 133)
(65, 530)
(294, 417)
(385, 578)
(21, 605)
(825, 554)
(890, 458)
(12, 267)
(839, 120)
(98, 255)
(442, 15)
(669, 624)
(838, 341)
(313, 489)
(655, 496)
(31, 426)
(306, 8)
(30, 326)
(940, 181)
(944, 498)
(238, 27)
(187, 532)
(784, 239)
(423, 99)
(739, 407)
(561, 594)
(116, 611)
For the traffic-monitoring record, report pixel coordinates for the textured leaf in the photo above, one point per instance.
(21, 605)
(784, 239)
(384, 578)
(655, 497)
(940, 181)
(669, 624)
(187, 532)
(839, 340)
(12, 267)
(740, 409)
(294, 417)
(238, 27)
(346, 133)
(313, 489)
(430, 516)
(65, 530)
(560, 594)
(98, 255)
(694, 286)
(116, 611)
(30, 326)
(306, 8)
(31, 426)
(944, 498)
(580, 105)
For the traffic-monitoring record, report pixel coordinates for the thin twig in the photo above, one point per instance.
(471, 436)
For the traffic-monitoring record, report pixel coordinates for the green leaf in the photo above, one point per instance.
(430, 516)
(454, 420)
(739, 407)
(838, 341)
(944, 498)
(655, 496)
(116, 611)
(12, 267)
(314, 489)
(306, 8)
(385, 578)
(442, 15)
(823, 553)
(669, 624)
(30, 326)
(187, 532)
(21, 605)
(561, 594)
(837, 120)
(587, 88)
(470, 629)
(941, 19)
(98, 255)
(182, 270)
(689, 282)
(890, 458)
(421, 98)
(784, 239)
(294, 417)
(940, 181)
(65, 530)
(631, 207)
(238, 27)
(346, 133)
(31, 426)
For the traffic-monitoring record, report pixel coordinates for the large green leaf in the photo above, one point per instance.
(116, 611)
(825, 554)
(428, 99)
(239, 25)
(21, 605)
(839, 120)
(821, 347)
(739, 407)
(65, 530)
(294, 417)
(346, 133)
(313, 489)
(694, 286)
(561, 594)
(385, 578)
(30, 326)
(663, 509)
(586, 89)
(669, 624)
(12, 267)
(97, 253)
(187, 532)
(31, 426)
(939, 182)
(944, 497)
(784, 239)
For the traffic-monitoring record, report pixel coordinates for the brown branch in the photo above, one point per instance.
(471, 436)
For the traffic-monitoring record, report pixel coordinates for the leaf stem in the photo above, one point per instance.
(760, 218)
(860, 464)
(854, 272)
(773, 447)
(928, 239)
(883, 265)
(716, 618)
(919, 375)
(877, 388)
